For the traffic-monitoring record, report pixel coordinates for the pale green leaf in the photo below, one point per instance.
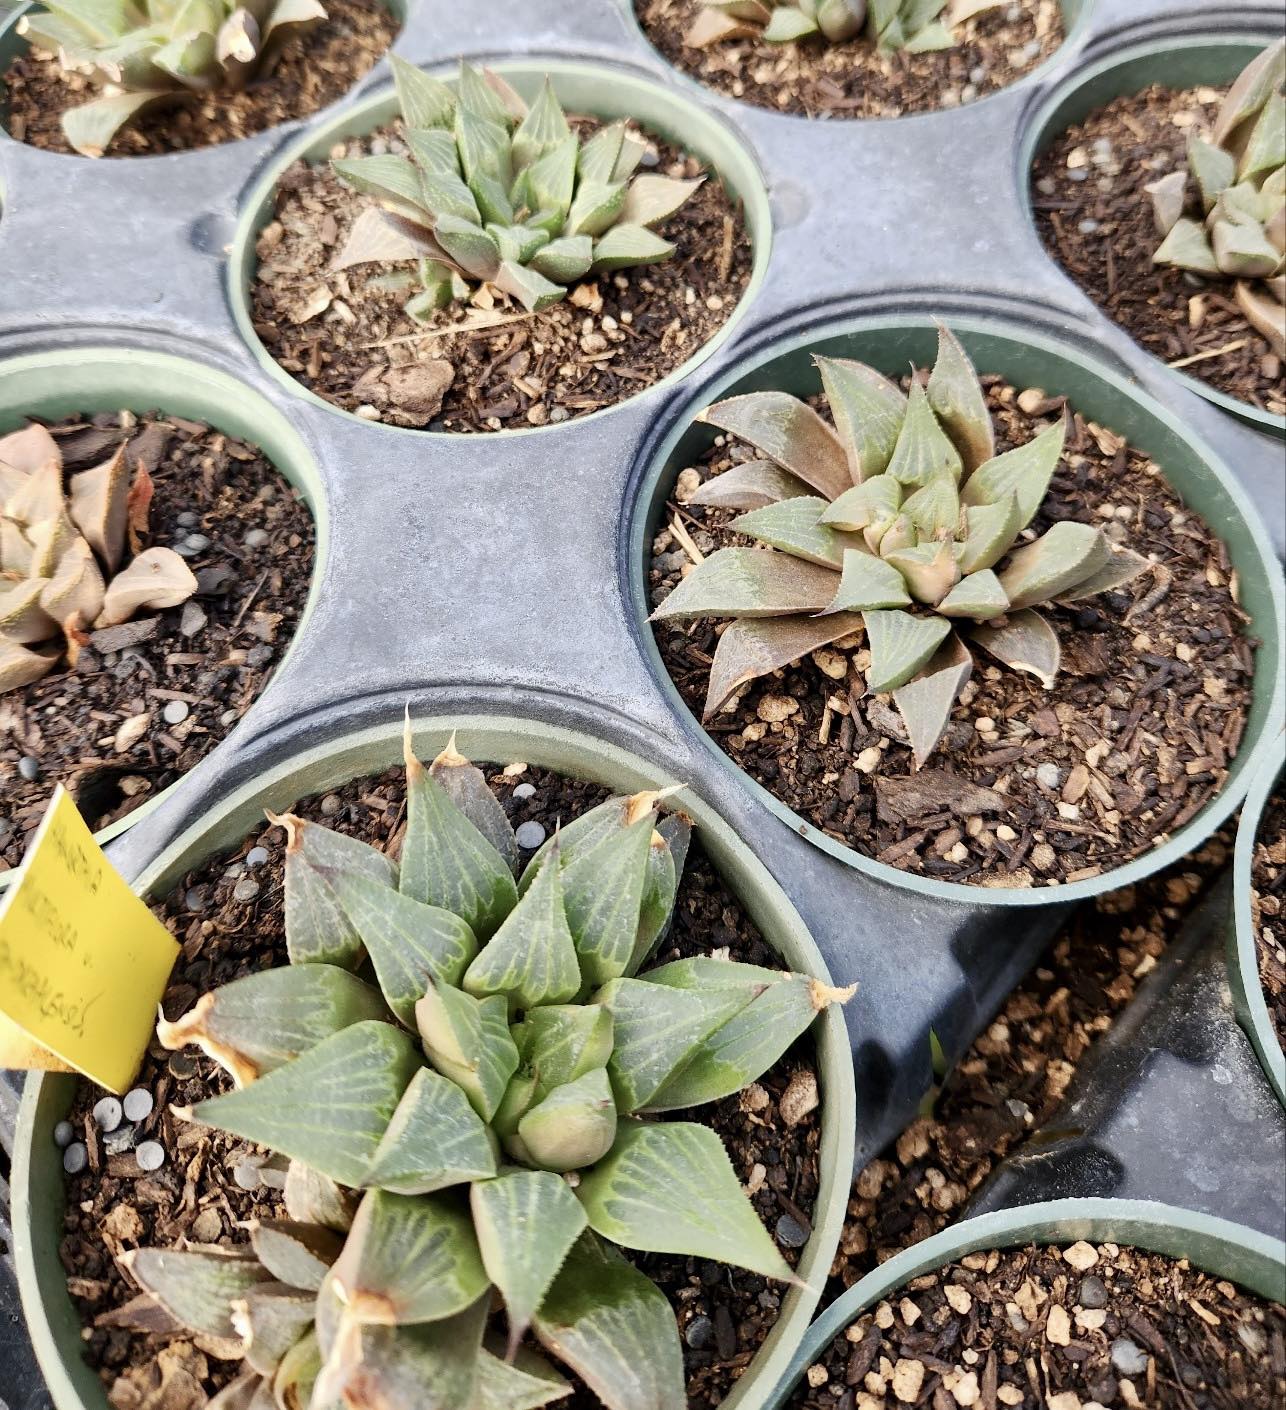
(292, 1386)
(196, 1287)
(990, 533)
(90, 128)
(749, 582)
(434, 150)
(794, 526)
(572, 1127)
(868, 410)
(296, 1254)
(313, 1198)
(532, 290)
(925, 703)
(934, 508)
(446, 195)
(1213, 168)
(1187, 247)
(562, 1042)
(1244, 251)
(424, 102)
(928, 569)
(494, 205)
(867, 582)
(660, 886)
(468, 1040)
(1263, 75)
(625, 246)
(750, 648)
(901, 644)
(923, 451)
(650, 199)
(789, 432)
(1065, 555)
(875, 501)
(1122, 567)
(1265, 148)
(750, 485)
(788, 23)
(474, 249)
(271, 1318)
(1024, 641)
(979, 595)
(328, 1108)
(479, 96)
(566, 260)
(528, 1384)
(394, 181)
(435, 1140)
(600, 155)
(958, 401)
(670, 1188)
(466, 786)
(526, 1223)
(544, 128)
(1024, 471)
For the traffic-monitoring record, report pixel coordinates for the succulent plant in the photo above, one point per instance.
(916, 26)
(906, 525)
(1240, 179)
(62, 550)
(142, 53)
(470, 1048)
(500, 194)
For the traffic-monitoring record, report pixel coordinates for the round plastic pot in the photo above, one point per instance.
(12, 44)
(1075, 20)
(37, 1179)
(1219, 1247)
(1176, 63)
(57, 384)
(605, 91)
(1027, 359)
(1243, 957)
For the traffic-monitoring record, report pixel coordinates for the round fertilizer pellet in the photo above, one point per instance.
(108, 1113)
(256, 856)
(29, 768)
(529, 834)
(64, 1134)
(150, 1155)
(75, 1158)
(175, 712)
(246, 1175)
(138, 1104)
(245, 889)
(525, 790)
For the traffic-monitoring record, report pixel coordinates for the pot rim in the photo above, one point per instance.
(353, 754)
(1219, 1246)
(1042, 125)
(706, 134)
(194, 388)
(1254, 752)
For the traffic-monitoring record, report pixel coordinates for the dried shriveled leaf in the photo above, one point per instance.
(957, 398)
(76, 588)
(90, 128)
(1066, 554)
(789, 432)
(262, 1021)
(1024, 641)
(1264, 313)
(901, 644)
(380, 236)
(752, 648)
(925, 703)
(19, 666)
(196, 1287)
(749, 582)
(711, 27)
(30, 449)
(157, 578)
(330, 1107)
(868, 410)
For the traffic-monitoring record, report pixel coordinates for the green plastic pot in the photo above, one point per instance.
(1218, 1246)
(57, 384)
(12, 44)
(1027, 359)
(1243, 958)
(606, 91)
(1177, 63)
(37, 1180)
(1075, 21)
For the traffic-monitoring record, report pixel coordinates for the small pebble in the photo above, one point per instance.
(1079, 175)
(330, 805)
(529, 834)
(1093, 1293)
(64, 1134)
(29, 768)
(977, 73)
(182, 1066)
(1049, 775)
(75, 1158)
(175, 712)
(699, 1333)
(525, 790)
(138, 1104)
(255, 538)
(259, 655)
(245, 890)
(198, 543)
(1087, 227)
(791, 1232)
(256, 856)
(1129, 1359)
(187, 520)
(108, 1113)
(150, 1155)
(196, 897)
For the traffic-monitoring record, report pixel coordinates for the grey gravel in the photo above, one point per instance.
(259, 655)
(138, 1104)
(255, 538)
(64, 1134)
(29, 768)
(529, 834)
(525, 790)
(1080, 174)
(791, 1232)
(1128, 1358)
(75, 1158)
(150, 1155)
(175, 712)
(193, 619)
(198, 543)
(257, 856)
(330, 805)
(245, 890)
(1093, 1293)
(108, 1113)
(699, 1333)
(187, 520)
(196, 898)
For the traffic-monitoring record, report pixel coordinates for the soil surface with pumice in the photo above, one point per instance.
(1268, 907)
(228, 917)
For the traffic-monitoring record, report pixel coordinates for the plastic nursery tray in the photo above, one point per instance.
(497, 574)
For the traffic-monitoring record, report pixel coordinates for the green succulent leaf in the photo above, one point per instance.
(606, 157)
(1265, 148)
(749, 582)
(314, 1198)
(925, 703)
(424, 102)
(614, 1328)
(624, 246)
(434, 150)
(293, 1384)
(1188, 247)
(328, 1108)
(478, 97)
(990, 533)
(317, 928)
(1262, 76)
(750, 648)
(562, 1042)
(394, 181)
(526, 1223)
(532, 290)
(1122, 567)
(979, 595)
(271, 1317)
(90, 128)
(261, 1021)
(196, 1287)
(544, 128)
(670, 1188)
(1024, 641)
(1213, 168)
(1243, 250)
(1065, 555)
(296, 1254)
(795, 526)
(474, 249)
(929, 570)
(466, 786)
(901, 645)
(751, 485)
(528, 1384)
(958, 401)
(468, 1040)
(876, 500)
(868, 410)
(657, 1030)
(1025, 471)
(789, 23)
(867, 582)
(572, 1127)
(445, 194)
(923, 452)
(531, 960)
(934, 508)
(564, 261)
(789, 432)
(651, 199)
(660, 886)
(446, 861)
(435, 1140)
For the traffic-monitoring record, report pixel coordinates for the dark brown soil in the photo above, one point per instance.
(1268, 907)
(1059, 1329)
(314, 70)
(1007, 1088)
(101, 729)
(478, 368)
(228, 916)
(1096, 219)
(854, 80)
(1029, 787)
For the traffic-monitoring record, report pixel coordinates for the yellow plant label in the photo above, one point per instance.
(83, 962)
